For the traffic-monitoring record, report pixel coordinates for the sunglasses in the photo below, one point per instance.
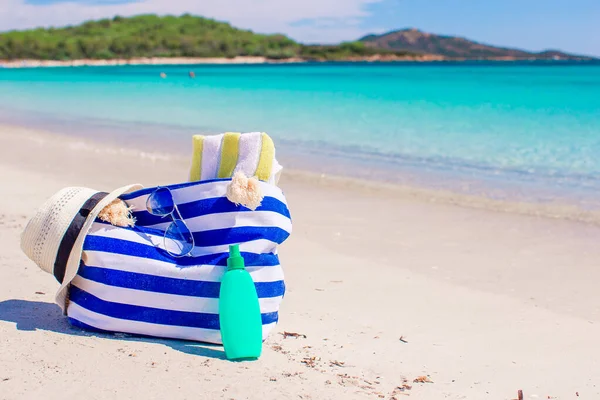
(178, 239)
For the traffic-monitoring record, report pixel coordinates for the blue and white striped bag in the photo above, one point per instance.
(128, 283)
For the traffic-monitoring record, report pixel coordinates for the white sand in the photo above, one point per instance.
(31, 63)
(488, 302)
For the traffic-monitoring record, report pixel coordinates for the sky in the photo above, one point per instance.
(568, 25)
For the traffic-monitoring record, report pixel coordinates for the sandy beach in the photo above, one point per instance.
(394, 296)
(26, 63)
(138, 61)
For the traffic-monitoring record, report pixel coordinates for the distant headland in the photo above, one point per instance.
(187, 39)
(457, 48)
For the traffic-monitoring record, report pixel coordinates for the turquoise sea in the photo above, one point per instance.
(517, 131)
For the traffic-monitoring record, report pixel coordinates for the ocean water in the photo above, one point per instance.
(515, 131)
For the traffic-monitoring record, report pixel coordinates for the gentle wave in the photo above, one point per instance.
(349, 179)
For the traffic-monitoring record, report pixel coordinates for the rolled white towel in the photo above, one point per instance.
(221, 156)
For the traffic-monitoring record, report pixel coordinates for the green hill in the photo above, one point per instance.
(169, 36)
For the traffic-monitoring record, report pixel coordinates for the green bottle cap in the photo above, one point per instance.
(235, 260)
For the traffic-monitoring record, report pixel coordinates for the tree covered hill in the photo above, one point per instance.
(168, 36)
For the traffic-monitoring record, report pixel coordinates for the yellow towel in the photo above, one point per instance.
(221, 156)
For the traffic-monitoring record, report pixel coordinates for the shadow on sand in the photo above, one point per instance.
(36, 315)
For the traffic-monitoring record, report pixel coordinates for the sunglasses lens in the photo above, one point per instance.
(179, 241)
(160, 202)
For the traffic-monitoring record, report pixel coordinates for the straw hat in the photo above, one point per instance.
(54, 236)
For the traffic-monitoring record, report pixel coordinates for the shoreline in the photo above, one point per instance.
(109, 147)
(245, 60)
(30, 63)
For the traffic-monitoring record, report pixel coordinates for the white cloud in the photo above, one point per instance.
(259, 15)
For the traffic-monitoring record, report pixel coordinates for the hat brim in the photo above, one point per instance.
(75, 256)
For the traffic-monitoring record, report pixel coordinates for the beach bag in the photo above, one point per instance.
(128, 283)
